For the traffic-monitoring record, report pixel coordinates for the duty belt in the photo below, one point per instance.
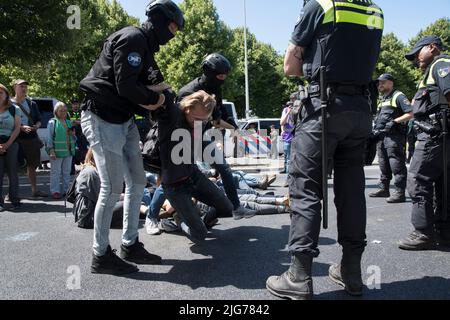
(338, 89)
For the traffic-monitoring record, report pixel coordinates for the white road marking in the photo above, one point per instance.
(22, 236)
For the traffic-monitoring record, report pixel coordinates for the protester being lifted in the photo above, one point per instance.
(116, 88)
(181, 179)
(215, 70)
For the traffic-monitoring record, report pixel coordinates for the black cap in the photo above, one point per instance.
(385, 77)
(422, 43)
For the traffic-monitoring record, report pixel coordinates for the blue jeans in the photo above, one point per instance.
(228, 183)
(287, 156)
(118, 158)
(60, 174)
(203, 190)
(155, 205)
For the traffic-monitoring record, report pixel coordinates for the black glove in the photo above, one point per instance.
(389, 126)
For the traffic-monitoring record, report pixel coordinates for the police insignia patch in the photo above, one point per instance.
(444, 72)
(134, 59)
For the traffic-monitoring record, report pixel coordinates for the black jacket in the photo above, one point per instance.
(116, 84)
(201, 83)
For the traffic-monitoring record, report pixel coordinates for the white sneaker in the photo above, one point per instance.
(243, 212)
(151, 226)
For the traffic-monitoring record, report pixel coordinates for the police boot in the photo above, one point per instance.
(418, 240)
(382, 192)
(397, 197)
(348, 273)
(296, 283)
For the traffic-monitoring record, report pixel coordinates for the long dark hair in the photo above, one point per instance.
(8, 101)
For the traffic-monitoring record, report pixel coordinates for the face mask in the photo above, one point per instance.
(211, 79)
(161, 28)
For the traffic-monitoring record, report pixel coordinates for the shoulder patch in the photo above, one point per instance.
(443, 72)
(134, 59)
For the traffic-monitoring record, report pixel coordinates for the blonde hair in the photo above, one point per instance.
(200, 99)
(89, 159)
(8, 101)
(58, 106)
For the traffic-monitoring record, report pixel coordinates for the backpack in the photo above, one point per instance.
(12, 110)
(71, 195)
(150, 152)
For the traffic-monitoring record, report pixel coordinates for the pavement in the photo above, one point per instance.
(44, 256)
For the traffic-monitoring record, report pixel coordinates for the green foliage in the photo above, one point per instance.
(60, 76)
(54, 59)
(33, 30)
(392, 60)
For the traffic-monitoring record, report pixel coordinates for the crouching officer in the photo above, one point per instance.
(394, 111)
(346, 40)
(117, 87)
(426, 173)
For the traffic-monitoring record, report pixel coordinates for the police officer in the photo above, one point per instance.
(117, 87)
(345, 37)
(215, 70)
(394, 110)
(425, 178)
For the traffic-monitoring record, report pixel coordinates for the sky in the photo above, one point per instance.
(272, 22)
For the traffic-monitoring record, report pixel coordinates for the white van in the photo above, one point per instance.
(262, 127)
(45, 106)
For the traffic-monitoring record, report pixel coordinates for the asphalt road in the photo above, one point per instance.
(42, 253)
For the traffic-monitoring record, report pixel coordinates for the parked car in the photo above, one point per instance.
(45, 106)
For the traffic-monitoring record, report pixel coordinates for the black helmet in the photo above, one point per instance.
(169, 9)
(216, 63)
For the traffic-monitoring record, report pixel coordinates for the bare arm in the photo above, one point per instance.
(285, 117)
(404, 118)
(293, 61)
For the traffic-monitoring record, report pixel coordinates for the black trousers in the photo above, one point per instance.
(425, 184)
(392, 159)
(349, 126)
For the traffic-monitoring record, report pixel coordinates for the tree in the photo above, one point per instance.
(440, 28)
(33, 30)
(60, 76)
(392, 60)
(180, 60)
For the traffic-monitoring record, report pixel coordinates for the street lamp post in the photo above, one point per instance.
(247, 97)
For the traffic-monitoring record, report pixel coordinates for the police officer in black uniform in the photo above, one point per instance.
(345, 37)
(215, 70)
(425, 178)
(394, 111)
(117, 87)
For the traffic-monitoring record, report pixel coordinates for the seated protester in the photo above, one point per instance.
(9, 130)
(87, 190)
(182, 182)
(61, 149)
(246, 181)
(265, 204)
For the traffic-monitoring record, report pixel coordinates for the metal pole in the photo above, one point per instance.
(247, 96)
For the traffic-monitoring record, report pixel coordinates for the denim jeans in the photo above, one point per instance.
(118, 158)
(158, 200)
(60, 174)
(9, 162)
(287, 155)
(203, 190)
(228, 183)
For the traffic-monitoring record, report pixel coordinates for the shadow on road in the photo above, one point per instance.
(241, 257)
(427, 288)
